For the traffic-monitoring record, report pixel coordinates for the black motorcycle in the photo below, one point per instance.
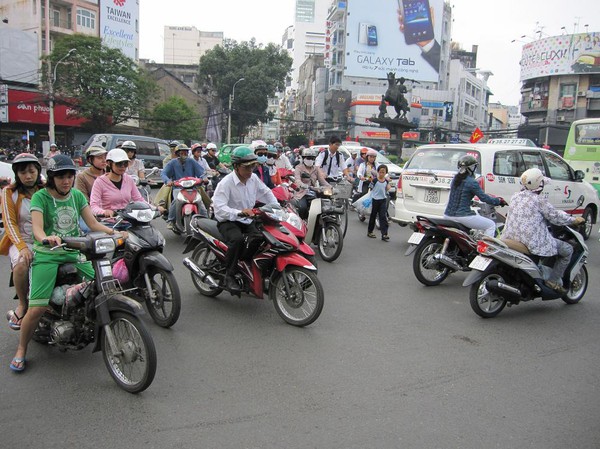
(148, 274)
(100, 314)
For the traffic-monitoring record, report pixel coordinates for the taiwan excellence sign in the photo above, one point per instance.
(401, 37)
(561, 55)
(32, 107)
(119, 25)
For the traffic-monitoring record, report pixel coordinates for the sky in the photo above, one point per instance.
(491, 25)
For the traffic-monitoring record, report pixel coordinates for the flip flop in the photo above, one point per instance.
(14, 320)
(18, 364)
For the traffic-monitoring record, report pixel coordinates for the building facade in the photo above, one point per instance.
(185, 45)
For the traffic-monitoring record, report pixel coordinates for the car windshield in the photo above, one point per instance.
(443, 159)
(381, 159)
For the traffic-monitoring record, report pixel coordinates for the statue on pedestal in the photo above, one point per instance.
(395, 96)
(382, 107)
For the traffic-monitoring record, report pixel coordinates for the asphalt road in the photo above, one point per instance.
(389, 364)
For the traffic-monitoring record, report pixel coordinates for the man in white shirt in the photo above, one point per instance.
(331, 161)
(282, 160)
(233, 201)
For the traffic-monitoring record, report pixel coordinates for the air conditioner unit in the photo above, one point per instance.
(560, 118)
(581, 93)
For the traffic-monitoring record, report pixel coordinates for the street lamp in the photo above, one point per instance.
(231, 97)
(51, 135)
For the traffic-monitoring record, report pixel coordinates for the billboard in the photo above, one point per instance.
(32, 107)
(561, 55)
(401, 37)
(119, 25)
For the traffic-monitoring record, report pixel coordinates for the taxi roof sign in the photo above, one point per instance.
(521, 142)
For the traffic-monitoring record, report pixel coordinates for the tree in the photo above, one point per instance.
(175, 118)
(294, 140)
(264, 69)
(102, 84)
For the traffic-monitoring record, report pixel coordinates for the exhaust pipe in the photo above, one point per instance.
(445, 260)
(502, 288)
(207, 278)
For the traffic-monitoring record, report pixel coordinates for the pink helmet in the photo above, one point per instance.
(372, 152)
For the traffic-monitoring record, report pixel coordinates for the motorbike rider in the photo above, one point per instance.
(197, 156)
(236, 195)
(136, 166)
(116, 189)
(282, 160)
(96, 157)
(331, 161)
(173, 147)
(527, 222)
(462, 190)
(18, 237)
(176, 169)
(55, 212)
(315, 178)
(271, 157)
(366, 173)
(262, 171)
(211, 156)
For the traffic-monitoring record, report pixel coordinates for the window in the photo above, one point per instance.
(86, 19)
(533, 160)
(508, 163)
(557, 167)
(56, 17)
(424, 111)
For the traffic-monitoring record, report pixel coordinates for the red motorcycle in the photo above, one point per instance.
(292, 221)
(269, 264)
(188, 202)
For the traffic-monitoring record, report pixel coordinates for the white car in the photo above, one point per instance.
(6, 171)
(393, 169)
(424, 185)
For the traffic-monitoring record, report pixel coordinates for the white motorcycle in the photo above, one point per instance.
(323, 224)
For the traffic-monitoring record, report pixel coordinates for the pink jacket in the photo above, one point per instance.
(106, 196)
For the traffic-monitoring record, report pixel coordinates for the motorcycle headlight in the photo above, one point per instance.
(104, 246)
(294, 220)
(328, 191)
(142, 215)
(187, 183)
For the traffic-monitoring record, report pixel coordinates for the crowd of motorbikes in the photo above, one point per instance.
(280, 264)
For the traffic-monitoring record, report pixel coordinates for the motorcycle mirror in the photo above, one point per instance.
(580, 201)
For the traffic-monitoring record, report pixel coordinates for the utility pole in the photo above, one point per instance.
(51, 134)
(231, 97)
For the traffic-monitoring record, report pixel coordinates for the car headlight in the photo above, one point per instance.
(104, 246)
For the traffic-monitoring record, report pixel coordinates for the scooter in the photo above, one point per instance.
(323, 225)
(142, 268)
(270, 264)
(188, 202)
(97, 312)
(505, 274)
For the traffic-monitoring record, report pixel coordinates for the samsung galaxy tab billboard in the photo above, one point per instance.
(119, 25)
(401, 36)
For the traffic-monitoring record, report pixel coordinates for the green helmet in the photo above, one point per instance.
(242, 155)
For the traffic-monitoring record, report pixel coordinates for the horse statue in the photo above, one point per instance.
(395, 95)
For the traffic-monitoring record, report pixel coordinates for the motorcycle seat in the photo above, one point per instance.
(449, 224)
(517, 246)
(210, 226)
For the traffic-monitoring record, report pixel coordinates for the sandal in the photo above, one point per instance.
(14, 320)
(18, 364)
(372, 235)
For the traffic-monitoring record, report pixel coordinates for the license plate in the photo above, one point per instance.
(416, 238)
(432, 196)
(480, 263)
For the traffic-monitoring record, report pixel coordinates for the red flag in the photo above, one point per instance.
(476, 136)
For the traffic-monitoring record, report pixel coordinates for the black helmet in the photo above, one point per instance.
(24, 159)
(467, 163)
(242, 155)
(59, 163)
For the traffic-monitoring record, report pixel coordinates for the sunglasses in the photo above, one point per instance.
(261, 154)
(122, 164)
(310, 158)
(270, 156)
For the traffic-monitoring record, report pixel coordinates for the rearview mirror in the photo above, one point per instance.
(579, 175)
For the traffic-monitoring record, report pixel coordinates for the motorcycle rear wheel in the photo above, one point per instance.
(484, 303)
(578, 287)
(133, 365)
(203, 257)
(304, 303)
(166, 306)
(331, 249)
(427, 271)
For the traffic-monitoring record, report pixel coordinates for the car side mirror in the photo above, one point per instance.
(579, 175)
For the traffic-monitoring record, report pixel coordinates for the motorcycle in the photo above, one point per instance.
(323, 228)
(142, 268)
(143, 185)
(98, 313)
(269, 264)
(188, 203)
(442, 247)
(292, 220)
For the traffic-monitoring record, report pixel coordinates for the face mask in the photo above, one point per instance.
(271, 161)
(261, 159)
(309, 162)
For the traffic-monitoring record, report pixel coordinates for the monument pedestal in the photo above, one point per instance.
(396, 127)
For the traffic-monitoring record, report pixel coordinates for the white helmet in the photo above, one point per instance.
(211, 146)
(129, 145)
(309, 152)
(533, 179)
(117, 155)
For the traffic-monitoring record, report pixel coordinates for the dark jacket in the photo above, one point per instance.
(262, 171)
(459, 202)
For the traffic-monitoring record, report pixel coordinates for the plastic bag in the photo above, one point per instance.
(367, 202)
(120, 271)
(359, 204)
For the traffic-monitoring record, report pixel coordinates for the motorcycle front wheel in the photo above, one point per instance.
(206, 261)
(164, 304)
(132, 364)
(427, 270)
(331, 242)
(485, 303)
(578, 287)
(187, 225)
(303, 302)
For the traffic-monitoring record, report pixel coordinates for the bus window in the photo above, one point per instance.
(587, 134)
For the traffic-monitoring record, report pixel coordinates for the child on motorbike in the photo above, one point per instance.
(379, 194)
(55, 213)
(463, 189)
(528, 217)
(18, 239)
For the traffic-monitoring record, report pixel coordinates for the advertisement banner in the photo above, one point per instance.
(561, 55)
(32, 107)
(401, 37)
(119, 25)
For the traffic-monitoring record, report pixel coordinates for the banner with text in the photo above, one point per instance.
(119, 25)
